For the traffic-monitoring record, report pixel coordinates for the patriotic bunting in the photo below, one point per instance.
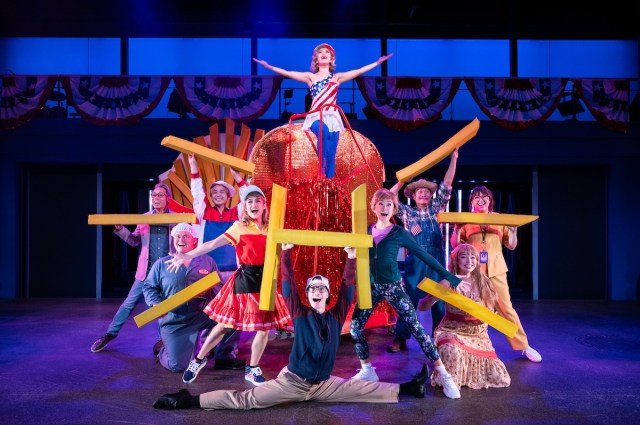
(213, 99)
(22, 98)
(401, 103)
(517, 103)
(407, 103)
(114, 100)
(607, 100)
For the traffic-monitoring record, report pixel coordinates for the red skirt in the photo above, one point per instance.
(242, 311)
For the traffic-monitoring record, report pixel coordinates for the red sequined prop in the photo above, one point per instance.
(287, 156)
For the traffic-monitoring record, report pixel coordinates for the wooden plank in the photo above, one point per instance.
(112, 219)
(467, 305)
(481, 218)
(177, 299)
(271, 270)
(187, 147)
(444, 150)
(359, 226)
(322, 238)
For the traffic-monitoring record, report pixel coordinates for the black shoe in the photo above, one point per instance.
(179, 400)
(416, 387)
(102, 342)
(157, 347)
(234, 364)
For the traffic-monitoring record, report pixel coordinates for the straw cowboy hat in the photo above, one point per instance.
(412, 187)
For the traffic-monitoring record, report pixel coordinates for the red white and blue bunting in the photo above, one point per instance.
(114, 100)
(23, 97)
(242, 99)
(607, 100)
(517, 103)
(401, 103)
(407, 103)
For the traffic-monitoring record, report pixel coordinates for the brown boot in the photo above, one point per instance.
(397, 345)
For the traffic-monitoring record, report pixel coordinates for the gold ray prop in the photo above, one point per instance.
(444, 150)
(112, 219)
(177, 299)
(220, 158)
(481, 218)
(467, 305)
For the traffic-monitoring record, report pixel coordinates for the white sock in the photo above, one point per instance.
(367, 366)
(442, 370)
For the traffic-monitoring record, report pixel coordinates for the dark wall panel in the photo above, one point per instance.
(573, 233)
(61, 260)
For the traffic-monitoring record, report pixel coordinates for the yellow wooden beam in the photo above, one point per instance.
(220, 158)
(444, 150)
(177, 299)
(107, 219)
(467, 305)
(322, 238)
(359, 226)
(271, 270)
(481, 218)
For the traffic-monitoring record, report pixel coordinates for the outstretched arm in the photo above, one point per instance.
(178, 258)
(303, 77)
(451, 171)
(396, 187)
(341, 77)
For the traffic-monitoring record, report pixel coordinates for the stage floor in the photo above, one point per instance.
(590, 373)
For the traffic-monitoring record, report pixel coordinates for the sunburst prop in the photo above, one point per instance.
(228, 143)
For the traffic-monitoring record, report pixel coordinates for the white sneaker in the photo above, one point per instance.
(367, 374)
(532, 355)
(449, 386)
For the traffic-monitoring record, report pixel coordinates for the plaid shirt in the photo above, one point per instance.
(417, 221)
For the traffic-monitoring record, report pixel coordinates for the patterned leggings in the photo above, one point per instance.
(395, 295)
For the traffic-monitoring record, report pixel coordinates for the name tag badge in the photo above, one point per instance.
(484, 257)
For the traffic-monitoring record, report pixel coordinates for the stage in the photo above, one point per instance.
(590, 373)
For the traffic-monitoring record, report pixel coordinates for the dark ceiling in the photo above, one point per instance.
(506, 19)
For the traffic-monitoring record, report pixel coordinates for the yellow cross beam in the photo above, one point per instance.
(444, 150)
(277, 210)
(467, 305)
(212, 155)
(357, 239)
(177, 299)
(322, 238)
(106, 219)
(482, 218)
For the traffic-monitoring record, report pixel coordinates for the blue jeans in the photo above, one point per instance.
(127, 306)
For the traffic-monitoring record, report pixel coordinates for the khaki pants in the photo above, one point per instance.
(289, 387)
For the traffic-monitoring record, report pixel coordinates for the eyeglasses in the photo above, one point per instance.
(322, 289)
(480, 197)
(158, 195)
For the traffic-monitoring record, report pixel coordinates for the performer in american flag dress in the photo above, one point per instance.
(323, 85)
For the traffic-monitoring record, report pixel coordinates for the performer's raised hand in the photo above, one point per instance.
(173, 265)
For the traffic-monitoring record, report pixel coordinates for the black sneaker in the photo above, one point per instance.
(102, 342)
